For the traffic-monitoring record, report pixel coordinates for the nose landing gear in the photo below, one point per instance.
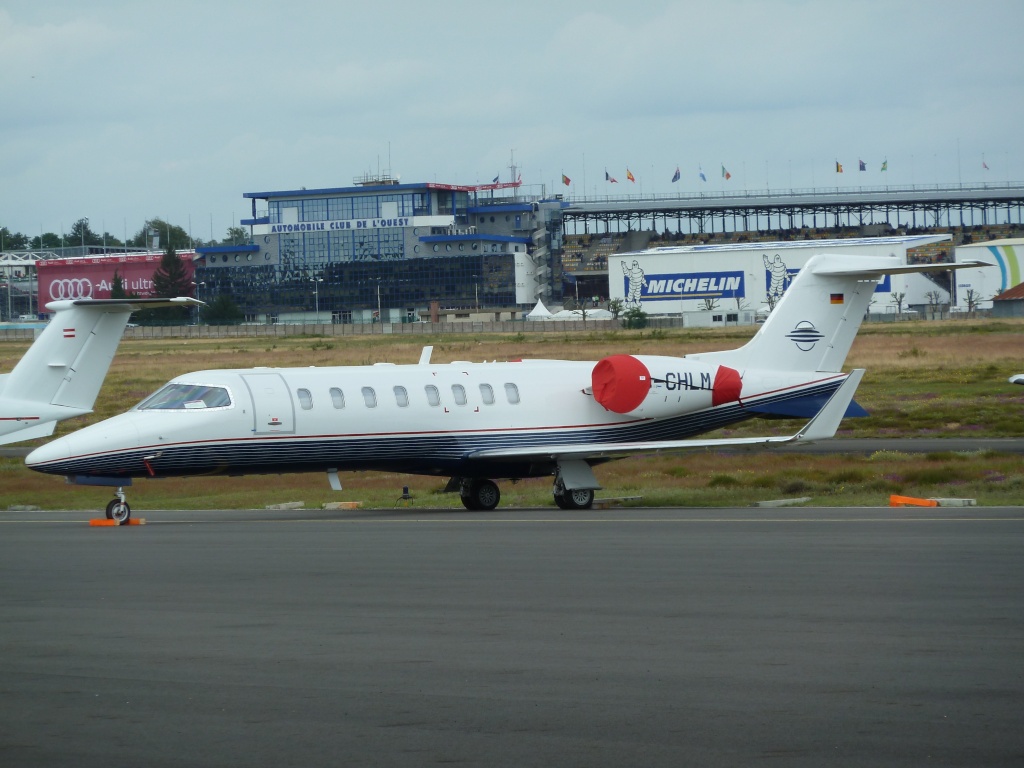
(118, 509)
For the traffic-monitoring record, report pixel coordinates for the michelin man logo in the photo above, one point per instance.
(637, 281)
(779, 277)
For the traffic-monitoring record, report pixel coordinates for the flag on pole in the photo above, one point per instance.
(839, 167)
(885, 164)
(725, 174)
(495, 181)
(566, 180)
(610, 179)
(863, 167)
(630, 176)
(984, 165)
(675, 176)
(700, 172)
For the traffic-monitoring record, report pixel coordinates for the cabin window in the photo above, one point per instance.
(433, 396)
(487, 394)
(337, 397)
(369, 397)
(305, 399)
(459, 393)
(512, 393)
(186, 397)
(401, 397)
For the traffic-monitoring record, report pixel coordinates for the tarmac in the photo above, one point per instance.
(406, 637)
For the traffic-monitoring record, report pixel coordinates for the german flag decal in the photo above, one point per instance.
(836, 298)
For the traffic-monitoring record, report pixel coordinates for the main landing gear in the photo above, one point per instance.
(578, 498)
(118, 509)
(479, 494)
(483, 495)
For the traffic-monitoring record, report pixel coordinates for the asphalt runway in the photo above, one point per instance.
(646, 637)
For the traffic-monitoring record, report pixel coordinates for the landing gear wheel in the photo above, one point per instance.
(580, 498)
(119, 511)
(118, 508)
(480, 494)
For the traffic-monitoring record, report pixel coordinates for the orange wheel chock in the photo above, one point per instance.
(910, 501)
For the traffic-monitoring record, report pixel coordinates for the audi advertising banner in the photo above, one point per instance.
(92, 277)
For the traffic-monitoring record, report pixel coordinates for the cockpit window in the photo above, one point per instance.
(175, 397)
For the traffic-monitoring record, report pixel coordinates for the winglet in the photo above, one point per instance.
(825, 423)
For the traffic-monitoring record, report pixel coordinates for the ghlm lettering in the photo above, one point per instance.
(688, 381)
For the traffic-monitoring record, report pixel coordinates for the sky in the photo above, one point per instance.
(123, 111)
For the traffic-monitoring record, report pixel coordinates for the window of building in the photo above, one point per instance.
(369, 397)
(487, 394)
(433, 395)
(401, 397)
(314, 210)
(305, 399)
(337, 397)
(459, 393)
(512, 393)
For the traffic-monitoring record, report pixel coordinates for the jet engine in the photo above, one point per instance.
(647, 385)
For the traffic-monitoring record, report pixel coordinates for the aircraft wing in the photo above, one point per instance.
(822, 427)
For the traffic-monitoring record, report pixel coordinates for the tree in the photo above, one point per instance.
(12, 241)
(80, 233)
(634, 318)
(615, 306)
(934, 301)
(898, 299)
(117, 290)
(236, 236)
(973, 299)
(710, 304)
(171, 279)
(222, 310)
(46, 240)
(168, 235)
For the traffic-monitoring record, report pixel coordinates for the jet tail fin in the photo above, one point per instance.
(813, 327)
(61, 373)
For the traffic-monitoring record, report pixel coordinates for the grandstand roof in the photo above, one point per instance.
(903, 241)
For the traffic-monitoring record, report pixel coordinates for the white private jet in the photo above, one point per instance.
(474, 422)
(60, 375)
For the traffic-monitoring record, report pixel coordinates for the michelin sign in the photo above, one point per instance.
(640, 287)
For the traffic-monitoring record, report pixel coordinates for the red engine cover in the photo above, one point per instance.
(728, 386)
(620, 383)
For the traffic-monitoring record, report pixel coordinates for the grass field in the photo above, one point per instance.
(934, 379)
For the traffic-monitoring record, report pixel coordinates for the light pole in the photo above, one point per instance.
(85, 224)
(476, 291)
(197, 292)
(316, 295)
(380, 317)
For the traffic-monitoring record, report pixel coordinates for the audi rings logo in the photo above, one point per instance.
(71, 288)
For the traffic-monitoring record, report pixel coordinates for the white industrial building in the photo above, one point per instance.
(733, 283)
(975, 288)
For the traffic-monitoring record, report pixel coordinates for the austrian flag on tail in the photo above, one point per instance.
(69, 333)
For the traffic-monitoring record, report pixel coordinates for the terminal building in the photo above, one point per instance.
(383, 251)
